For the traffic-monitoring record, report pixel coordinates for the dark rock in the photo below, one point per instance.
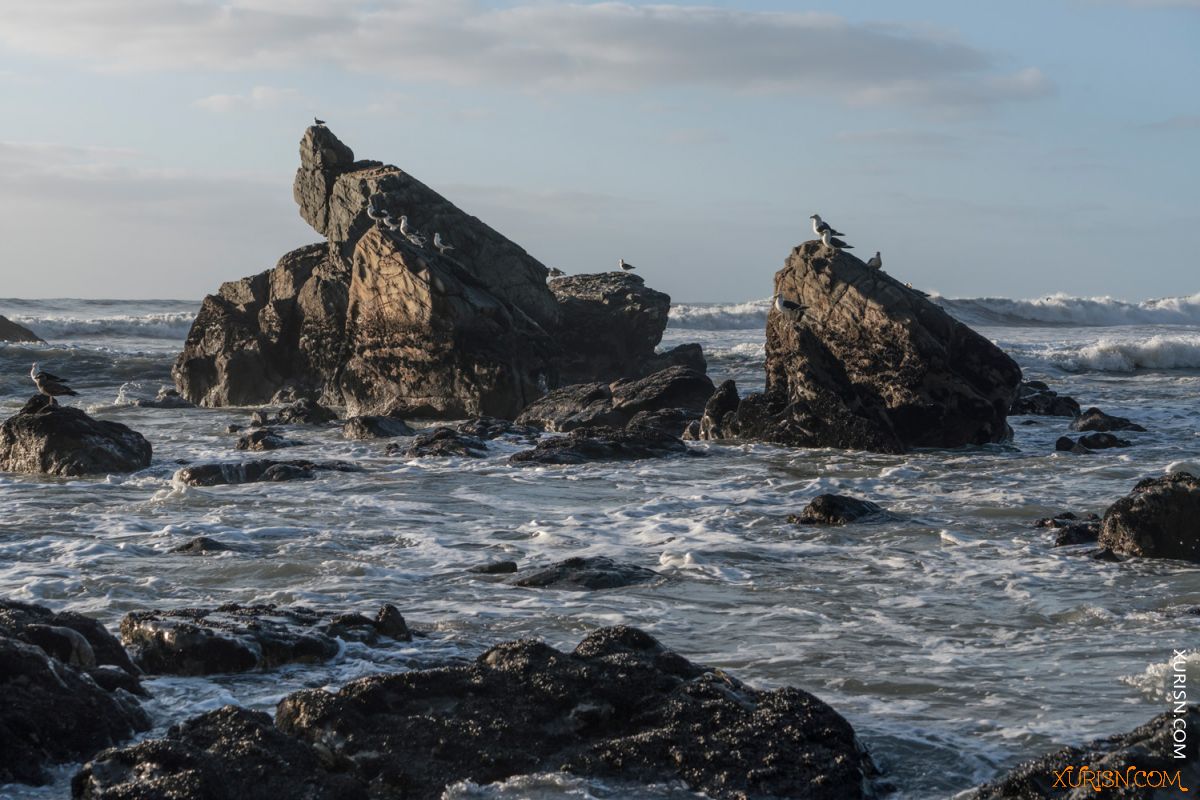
(835, 509)
(1158, 519)
(305, 411)
(101, 648)
(261, 439)
(235, 638)
(719, 412)
(495, 568)
(259, 471)
(1065, 519)
(201, 546)
(1096, 420)
(1065, 444)
(233, 428)
(291, 393)
(601, 444)
(1149, 748)
(45, 437)
(376, 427)
(581, 405)
(587, 573)
(442, 441)
(1102, 441)
(871, 365)
(167, 398)
(489, 428)
(12, 332)
(1035, 397)
(671, 421)
(227, 753)
(1105, 554)
(1072, 529)
(684, 355)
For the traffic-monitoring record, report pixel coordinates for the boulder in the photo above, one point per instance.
(376, 427)
(1148, 749)
(261, 439)
(1096, 420)
(1065, 444)
(45, 437)
(1071, 529)
(167, 397)
(1156, 520)
(871, 365)
(12, 332)
(501, 568)
(441, 442)
(835, 509)
(1090, 443)
(586, 573)
(258, 471)
(1036, 398)
(202, 546)
(489, 428)
(235, 638)
(73, 638)
(671, 421)
(601, 444)
(614, 405)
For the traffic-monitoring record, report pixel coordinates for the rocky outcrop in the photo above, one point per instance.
(835, 509)
(870, 365)
(1071, 529)
(1096, 420)
(601, 444)
(12, 332)
(72, 638)
(1156, 520)
(45, 437)
(382, 323)
(375, 427)
(586, 574)
(259, 471)
(614, 405)
(167, 397)
(442, 442)
(1035, 398)
(234, 638)
(261, 439)
(1149, 749)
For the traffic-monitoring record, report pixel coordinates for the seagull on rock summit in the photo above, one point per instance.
(555, 272)
(441, 246)
(789, 308)
(624, 265)
(50, 385)
(820, 226)
(320, 122)
(828, 239)
(875, 261)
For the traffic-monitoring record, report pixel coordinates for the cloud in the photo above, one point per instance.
(257, 99)
(608, 46)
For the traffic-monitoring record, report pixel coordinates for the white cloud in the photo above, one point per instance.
(257, 99)
(545, 46)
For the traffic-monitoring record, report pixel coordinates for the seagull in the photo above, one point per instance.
(828, 240)
(391, 224)
(789, 308)
(555, 272)
(441, 246)
(621, 263)
(50, 385)
(404, 225)
(875, 261)
(820, 226)
(320, 122)
(377, 215)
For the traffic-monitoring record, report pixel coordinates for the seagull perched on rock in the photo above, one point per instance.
(377, 215)
(828, 239)
(875, 261)
(50, 385)
(625, 266)
(441, 246)
(789, 308)
(820, 226)
(555, 272)
(320, 122)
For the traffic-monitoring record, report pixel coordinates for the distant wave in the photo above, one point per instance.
(145, 326)
(720, 316)
(1112, 355)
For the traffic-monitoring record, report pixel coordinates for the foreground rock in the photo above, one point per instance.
(1071, 529)
(1148, 749)
(376, 427)
(1096, 420)
(835, 509)
(871, 365)
(63, 440)
(601, 444)
(1035, 398)
(12, 332)
(234, 638)
(615, 405)
(259, 471)
(441, 442)
(262, 439)
(586, 574)
(1158, 519)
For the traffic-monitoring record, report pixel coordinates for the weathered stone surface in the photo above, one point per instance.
(202, 546)
(261, 439)
(227, 753)
(614, 405)
(92, 645)
(835, 509)
(601, 444)
(264, 470)
(63, 440)
(672, 421)
(1149, 748)
(871, 365)
(585, 574)
(376, 427)
(489, 428)
(12, 332)
(235, 638)
(1158, 519)
(440, 442)
(1071, 529)
(1096, 420)
(1036, 398)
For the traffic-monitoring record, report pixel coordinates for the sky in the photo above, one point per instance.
(990, 148)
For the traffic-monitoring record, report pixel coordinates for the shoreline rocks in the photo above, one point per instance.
(1035, 398)
(586, 573)
(1096, 420)
(615, 405)
(47, 438)
(257, 471)
(12, 332)
(583, 445)
(1158, 519)
(835, 509)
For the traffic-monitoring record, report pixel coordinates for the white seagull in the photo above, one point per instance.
(621, 263)
(828, 240)
(377, 215)
(820, 226)
(50, 385)
(875, 261)
(441, 246)
(789, 308)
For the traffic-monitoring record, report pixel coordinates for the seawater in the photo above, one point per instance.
(955, 638)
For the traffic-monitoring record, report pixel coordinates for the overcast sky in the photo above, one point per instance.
(994, 147)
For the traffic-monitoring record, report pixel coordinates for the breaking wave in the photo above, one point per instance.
(720, 316)
(145, 326)
(1159, 352)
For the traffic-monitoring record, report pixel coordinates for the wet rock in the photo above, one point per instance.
(41, 626)
(1065, 444)
(1096, 420)
(12, 332)
(260, 471)
(614, 405)
(376, 427)
(62, 440)
(1149, 748)
(202, 546)
(587, 573)
(495, 568)
(1105, 554)
(601, 444)
(261, 439)
(1071, 529)
(236, 638)
(671, 421)
(1102, 441)
(227, 753)
(717, 420)
(442, 442)
(233, 428)
(1158, 519)
(835, 509)
(489, 428)
(581, 405)
(167, 397)
(1036, 398)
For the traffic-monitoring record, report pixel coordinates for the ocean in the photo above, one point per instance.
(953, 635)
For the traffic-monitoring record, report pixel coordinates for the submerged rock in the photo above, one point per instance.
(495, 568)
(1158, 519)
(835, 509)
(12, 332)
(1072, 529)
(167, 397)
(591, 405)
(202, 546)
(1036, 398)
(601, 444)
(376, 427)
(258, 471)
(1096, 420)
(45, 437)
(492, 428)
(261, 439)
(1090, 443)
(440, 442)
(587, 573)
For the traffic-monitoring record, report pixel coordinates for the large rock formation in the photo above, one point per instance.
(1158, 519)
(45, 437)
(380, 323)
(870, 365)
(12, 332)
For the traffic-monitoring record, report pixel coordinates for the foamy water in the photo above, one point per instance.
(955, 639)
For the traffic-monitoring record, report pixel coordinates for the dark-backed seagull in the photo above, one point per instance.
(50, 385)
(441, 246)
(555, 272)
(820, 226)
(318, 121)
(828, 240)
(789, 308)
(875, 261)
(621, 263)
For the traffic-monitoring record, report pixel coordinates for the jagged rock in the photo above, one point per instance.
(871, 365)
(835, 509)
(91, 645)
(258, 471)
(587, 573)
(45, 437)
(227, 753)
(1072, 529)
(12, 332)
(684, 355)
(167, 397)
(1036, 398)
(201, 546)
(614, 405)
(235, 638)
(304, 411)
(261, 439)
(489, 428)
(672, 421)
(1149, 749)
(376, 427)
(442, 441)
(601, 444)
(1096, 420)
(1156, 520)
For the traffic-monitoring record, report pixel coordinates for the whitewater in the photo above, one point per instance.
(954, 637)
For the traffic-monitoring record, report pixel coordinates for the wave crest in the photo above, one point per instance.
(1061, 309)
(145, 326)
